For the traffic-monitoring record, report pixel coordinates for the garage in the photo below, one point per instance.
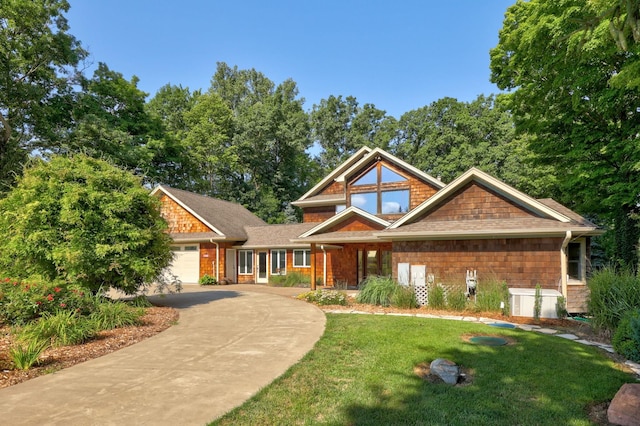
(186, 263)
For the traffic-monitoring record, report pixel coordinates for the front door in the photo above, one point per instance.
(230, 265)
(263, 276)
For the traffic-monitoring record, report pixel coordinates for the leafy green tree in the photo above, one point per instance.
(84, 221)
(39, 59)
(270, 139)
(585, 126)
(341, 127)
(448, 137)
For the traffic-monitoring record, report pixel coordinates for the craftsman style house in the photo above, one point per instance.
(377, 215)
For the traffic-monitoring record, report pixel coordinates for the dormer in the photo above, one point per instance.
(372, 180)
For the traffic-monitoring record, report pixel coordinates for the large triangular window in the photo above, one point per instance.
(380, 190)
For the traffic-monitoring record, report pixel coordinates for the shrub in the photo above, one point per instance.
(83, 220)
(626, 339)
(110, 315)
(404, 297)
(292, 279)
(457, 300)
(61, 329)
(436, 297)
(207, 279)
(377, 291)
(561, 307)
(24, 355)
(140, 301)
(325, 297)
(489, 295)
(537, 303)
(612, 294)
(506, 302)
(24, 301)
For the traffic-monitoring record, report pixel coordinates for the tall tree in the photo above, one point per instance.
(37, 62)
(341, 127)
(585, 126)
(448, 137)
(271, 136)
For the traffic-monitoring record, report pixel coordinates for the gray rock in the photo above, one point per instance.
(447, 370)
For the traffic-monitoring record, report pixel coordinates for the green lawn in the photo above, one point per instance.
(361, 372)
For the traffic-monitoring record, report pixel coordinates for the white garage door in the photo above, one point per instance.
(186, 263)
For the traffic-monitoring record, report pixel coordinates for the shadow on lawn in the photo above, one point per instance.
(499, 394)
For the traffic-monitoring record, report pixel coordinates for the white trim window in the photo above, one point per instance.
(302, 258)
(278, 262)
(245, 262)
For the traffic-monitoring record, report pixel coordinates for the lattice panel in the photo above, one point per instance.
(421, 294)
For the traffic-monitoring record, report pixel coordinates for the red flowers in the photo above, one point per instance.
(50, 297)
(57, 289)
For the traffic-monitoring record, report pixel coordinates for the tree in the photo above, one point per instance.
(448, 137)
(84, 221)
(341, 127)
(38, 63)
(584, 126)
(270, 138)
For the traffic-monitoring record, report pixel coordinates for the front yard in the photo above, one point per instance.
(364, 371)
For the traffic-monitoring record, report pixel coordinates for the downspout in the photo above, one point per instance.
(563, 264)
(324, 266)
(217, 259)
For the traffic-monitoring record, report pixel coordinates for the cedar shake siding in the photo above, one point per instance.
(475, 202)
(355, 223)
(178, 219)
(318, 214)
(521, 262)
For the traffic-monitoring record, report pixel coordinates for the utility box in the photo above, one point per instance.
(522, 302)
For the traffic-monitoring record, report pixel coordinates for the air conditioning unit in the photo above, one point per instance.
(522, 302)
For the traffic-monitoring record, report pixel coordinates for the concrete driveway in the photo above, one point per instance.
(229, 343)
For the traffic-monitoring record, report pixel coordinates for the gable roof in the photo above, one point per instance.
(334, 174)
(342, 216)
(476, 175)
(379, 153)
(226, 219)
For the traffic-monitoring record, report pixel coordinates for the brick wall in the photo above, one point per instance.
(521, 262)
(178, 219)
(474, 201)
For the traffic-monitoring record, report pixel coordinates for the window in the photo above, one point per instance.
(340, 207)
(394, 202)
(302, 258)
(380, 191)
(190, 248)
(278, 262)
(574, 261)
(245, 262)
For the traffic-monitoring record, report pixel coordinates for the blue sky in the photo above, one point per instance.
(398, 55)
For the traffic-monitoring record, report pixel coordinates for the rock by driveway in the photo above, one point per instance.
(229, 343)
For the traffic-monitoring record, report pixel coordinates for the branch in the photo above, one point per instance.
(6, 133)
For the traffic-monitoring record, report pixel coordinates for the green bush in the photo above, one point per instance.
(325, 297)
(292, 279)
(24, 355)
(207, 279)
(140, 301)
(61, 329)
(626, 339)
(612, 293)
(114, 314)
(489, 295)
(457, 300)
(537, 303)
(377, 291)
(561, 307)
(435, 297)
(404, 297)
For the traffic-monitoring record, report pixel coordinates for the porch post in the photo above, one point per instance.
(313, 266)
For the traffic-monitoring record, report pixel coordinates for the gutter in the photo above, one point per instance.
(563, 263)
(217, 268)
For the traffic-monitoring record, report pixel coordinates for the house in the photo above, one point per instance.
(377, 215)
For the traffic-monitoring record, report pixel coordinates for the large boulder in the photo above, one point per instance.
(625, 407)
(447, 370)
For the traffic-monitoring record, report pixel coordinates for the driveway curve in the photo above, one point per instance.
(229, 343)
